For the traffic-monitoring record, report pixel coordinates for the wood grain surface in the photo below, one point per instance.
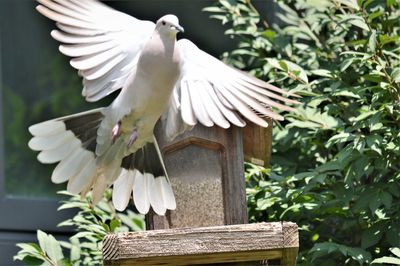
(233, 243)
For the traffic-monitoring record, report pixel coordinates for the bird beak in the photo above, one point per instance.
(179, 28)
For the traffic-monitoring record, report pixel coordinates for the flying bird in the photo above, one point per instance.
(158, 77)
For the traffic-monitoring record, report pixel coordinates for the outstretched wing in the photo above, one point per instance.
(211, 92)
(103, 42)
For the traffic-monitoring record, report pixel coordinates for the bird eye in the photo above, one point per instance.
(163, 22)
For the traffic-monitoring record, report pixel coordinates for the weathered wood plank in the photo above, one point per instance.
(291, 243)
(233, 243)
(257, 143)
(232, 257)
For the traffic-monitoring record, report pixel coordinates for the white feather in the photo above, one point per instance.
(91, 61)
(255, 104)
(140, 191)
(78, 30)
(99, 186)
(99, 71)
(49, 142)
(156, 197)
(263, 91)
(70, 166)
(230, 115)
(186, 106)
(197, 104)
(63, 10)
(74, 5)
(74, 50)
(106, 83)
(64, 19)
(79, 181)
(47, 128)
(260, 97)
(209, 105)
(267, 86)
(223, 100)
(168, 194)
(83, 6)
(243, 108)
(122, 189)
(74, 39)
(59, 153)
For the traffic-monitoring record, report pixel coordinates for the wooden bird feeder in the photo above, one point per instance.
(209, 226)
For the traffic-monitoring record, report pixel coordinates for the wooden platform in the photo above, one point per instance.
(204, 245)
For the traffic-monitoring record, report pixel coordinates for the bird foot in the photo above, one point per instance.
(116, 132)
(133, 137)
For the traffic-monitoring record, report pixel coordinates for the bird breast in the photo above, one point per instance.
(160, 60)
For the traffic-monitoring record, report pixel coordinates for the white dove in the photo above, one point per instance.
(159, 77)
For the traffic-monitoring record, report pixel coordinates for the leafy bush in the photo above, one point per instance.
(92, 223)
(335, 169)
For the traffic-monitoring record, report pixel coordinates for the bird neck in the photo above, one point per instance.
(167, 39)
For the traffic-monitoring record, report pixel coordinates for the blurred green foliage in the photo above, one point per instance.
(91, 223)
(336, 161)
(55, 92)
(23, 107)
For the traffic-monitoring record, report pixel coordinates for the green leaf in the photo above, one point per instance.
(388, 260)
(54, 249)
(114, 224)
(364, 115)
(349, 3)
(83, 234)
(322, 73)
(375, 15)
(341, 137)
(42, 239)
(371, 236)
(263, 204)
(270, 34)
(358, 22)
(50, 245)
(395, 75)
(392, 236)
(346, 93)
(71, 205)
(346, 63)
(375, 202)
(372, 41)
(289, 67)
(30, 254)
(386, 199)
(75, 253)
(213, 9)
(395, 251)
(283, 65)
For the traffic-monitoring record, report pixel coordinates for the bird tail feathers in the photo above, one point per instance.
(144, 175)
(71, 141)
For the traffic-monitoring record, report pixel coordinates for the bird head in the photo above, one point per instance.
(169, 24)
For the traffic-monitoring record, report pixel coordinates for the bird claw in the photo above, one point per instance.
(133, 137)
(116, 132)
